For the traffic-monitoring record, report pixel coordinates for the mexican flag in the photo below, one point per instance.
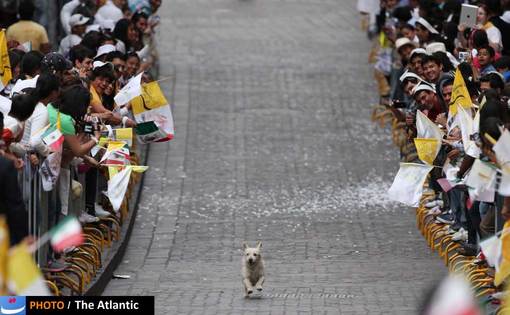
(66, 234)
(53, 138)
(152, 106)
(117, 153)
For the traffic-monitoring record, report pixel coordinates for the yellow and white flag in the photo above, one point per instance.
(503, 256)
(502, 150)
(124, 134)
(465, 121)
(481, 181)
(427, 149)
(460, 94)
(407, 186)
(23, 275)
(5, 64)
(152, 105)
(117, 153)
(118, 184)
(426, 128)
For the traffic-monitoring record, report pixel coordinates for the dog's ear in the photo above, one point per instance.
(245, 246)
(259, 244)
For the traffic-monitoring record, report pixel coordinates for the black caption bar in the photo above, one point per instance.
(90, 305)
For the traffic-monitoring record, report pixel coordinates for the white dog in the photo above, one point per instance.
(253, 269)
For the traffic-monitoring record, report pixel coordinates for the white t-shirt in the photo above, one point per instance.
(68, 42)
(109, 11)
(32, 135)
(494, 36)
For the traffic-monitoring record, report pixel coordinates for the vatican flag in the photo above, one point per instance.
(5, 64)
(152, 105)
(460, 94)
(503, 256)
(118, 184)
(427, 149)
(426, 128)
(407, 186)
(23, 275)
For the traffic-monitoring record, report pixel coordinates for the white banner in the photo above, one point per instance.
(426, 128)
(408, 184)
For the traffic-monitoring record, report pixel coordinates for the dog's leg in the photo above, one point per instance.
(259, 284)
(248, 286)
(245, 291)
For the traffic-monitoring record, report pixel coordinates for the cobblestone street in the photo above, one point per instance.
(272, 103)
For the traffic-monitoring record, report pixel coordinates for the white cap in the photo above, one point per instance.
(423, 86)
(105, 49)
(435, 47)
(417, 51)
(108, 25)
(427, 25)
(98, 64)
(78, 19)
(403, 41)
(93, 27)
(409, 74)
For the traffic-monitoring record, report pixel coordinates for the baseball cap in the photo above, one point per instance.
(78, 19)
(423, 86)
(99, 64)
(427, 25)
(105, 49)
(404, 41)
(417, 51)
(56, 61)
(408, 75)
(435, 47)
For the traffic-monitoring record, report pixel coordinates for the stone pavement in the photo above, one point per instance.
(272, 100)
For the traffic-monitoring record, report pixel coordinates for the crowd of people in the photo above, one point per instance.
(430, 59)
(67, 90)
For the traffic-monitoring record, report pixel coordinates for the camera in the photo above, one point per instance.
(463, 56)
(90, 125)
(398, 104)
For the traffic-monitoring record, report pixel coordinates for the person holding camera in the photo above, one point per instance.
(70, 110)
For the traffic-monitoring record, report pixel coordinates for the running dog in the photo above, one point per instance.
(253, 269)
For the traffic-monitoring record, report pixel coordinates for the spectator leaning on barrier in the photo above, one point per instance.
(72, 91)
(459, 73)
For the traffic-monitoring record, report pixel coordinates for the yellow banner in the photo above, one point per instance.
(427, 149)
(460, 94)
(24, 277)
(124, 134)
(5, 64)
(4, 248)
(152, 97)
